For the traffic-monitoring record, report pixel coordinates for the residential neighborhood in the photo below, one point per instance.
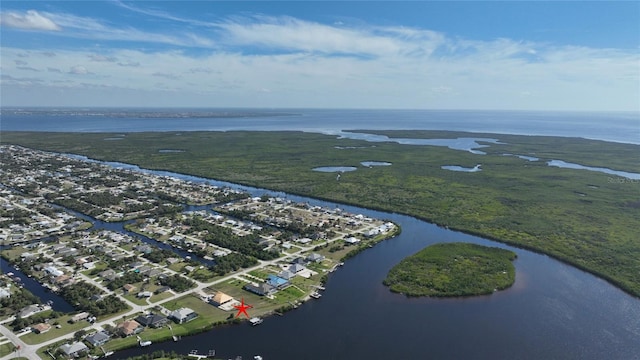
(142, 257)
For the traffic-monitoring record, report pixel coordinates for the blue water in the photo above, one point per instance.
(617, 127)
(566, 165)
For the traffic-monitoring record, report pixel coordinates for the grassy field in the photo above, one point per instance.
(453, 269)
(6, 349)
(587, 219)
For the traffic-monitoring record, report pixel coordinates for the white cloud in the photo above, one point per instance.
(29, 20)
(308, 64)
(287, 33)
(78, 70)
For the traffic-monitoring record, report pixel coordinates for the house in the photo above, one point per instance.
(128, 288)
(63, 280)
(172, 260)
(296, 268)
(53, 271)
(351, 240)
(303, 240)
(286, 274)
(315, 257)
(261, 289)
(129, 327)
(152, 320)
(73, 349)
(220, 298)
(79, 316)
(144, 294)
(4, 293)
(182, 315)
(109, 274)
(277, 282)
(160, 290)
(98, 339)
(41, 328)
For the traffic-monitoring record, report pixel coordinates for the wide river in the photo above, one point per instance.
(553, 311)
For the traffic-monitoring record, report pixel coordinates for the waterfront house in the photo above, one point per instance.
(152, 320)
(73, 350)
(182, 315)
(80, 316)
(129, 327)
(286, 274)
(220, 298)
(296, 268)
(98, 339)
(315, 257)
(261, 289)
(351, 240)
(277, 282)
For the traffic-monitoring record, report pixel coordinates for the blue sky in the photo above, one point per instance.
(536, 55)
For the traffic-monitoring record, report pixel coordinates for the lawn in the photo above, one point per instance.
(6, 349)
(66, 328)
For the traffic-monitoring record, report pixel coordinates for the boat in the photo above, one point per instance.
(257, 357)
(315, 295)
(145, 343)
(255, 321)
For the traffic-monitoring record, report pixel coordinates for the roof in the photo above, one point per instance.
(69, 349)
(286, 274)
(315, 256)
(296, 268)
(129, 326)
(181, 313)
(262, 288)
(276, 281)
(97, 337)
(42, 327)
(221, 298)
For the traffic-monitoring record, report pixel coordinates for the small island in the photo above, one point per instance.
(453, 269)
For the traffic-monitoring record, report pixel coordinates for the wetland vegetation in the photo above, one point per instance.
(585, 218)
(453, 269)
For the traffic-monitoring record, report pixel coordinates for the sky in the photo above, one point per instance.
(511, 55)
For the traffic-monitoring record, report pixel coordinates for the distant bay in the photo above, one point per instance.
(615, 126)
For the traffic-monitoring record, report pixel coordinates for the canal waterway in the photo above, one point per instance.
(553, 311)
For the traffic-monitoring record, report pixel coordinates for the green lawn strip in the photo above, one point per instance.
(584, 218)
(6, 349)
(54, 332)
(453, 269)
(159, 297)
